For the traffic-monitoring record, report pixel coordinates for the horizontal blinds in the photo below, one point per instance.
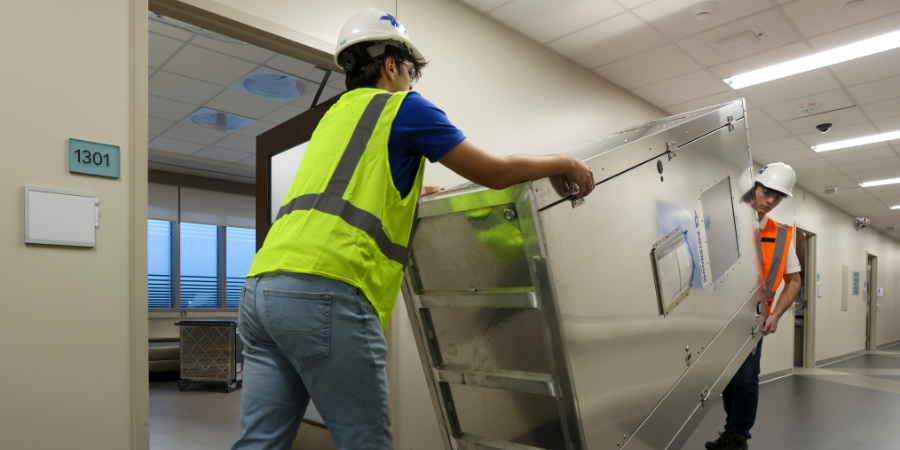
(162, 200)
(217, 208)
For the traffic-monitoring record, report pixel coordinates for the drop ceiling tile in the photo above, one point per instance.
(875, 174)
(876, 91)
(191, 132)
(247, 52)
(255, 129)
(893, 161)
(883, 110)
(164, 108)
(544, 21)
(838, 119)
(838, 134)
(796, 86)
(776, 145)
(760, 60)
(682, 89)
(870, 68)
(631, 4)
(818, 171)
(827, 101)
(284, 114)
(243, 104)
(221, 154)
(849, 203)
(809, 164)
(776, 32)
(856, 33)
(758, 117)
(174, 145)
(239, 143)
(327, 93)
(158, 27)
(177, 87)
(788, 157)
(484, 5)
(849, 156)
(764, 133)
(672, 18)
(251, 161)
(704, 102)
(298, 68)
(816, 17)
(207, 65)
(644, 68)
(161, 49)
(829, 180)
(158, 126)
(888, 190)
(607, 41)
(888, 125)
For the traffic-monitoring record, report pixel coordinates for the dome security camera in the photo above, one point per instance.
(823, 127)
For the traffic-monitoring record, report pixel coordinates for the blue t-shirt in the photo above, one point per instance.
(420, 129)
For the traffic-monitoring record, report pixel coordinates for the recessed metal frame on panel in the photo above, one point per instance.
(524, 295)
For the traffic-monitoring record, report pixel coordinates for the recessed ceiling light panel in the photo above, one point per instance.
(217, 120)
(879, 182)
(273, 85)
(858, 141)
(859, 49)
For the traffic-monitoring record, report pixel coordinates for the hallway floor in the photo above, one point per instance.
(850, 404)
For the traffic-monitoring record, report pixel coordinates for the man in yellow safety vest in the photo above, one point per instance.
(321, 289)
(778, 260)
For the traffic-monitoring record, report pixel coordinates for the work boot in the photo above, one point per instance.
(728, 441)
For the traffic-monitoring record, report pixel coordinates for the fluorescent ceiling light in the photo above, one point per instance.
(829, 57)
(890, 136)
(880, 182)
(895, 207)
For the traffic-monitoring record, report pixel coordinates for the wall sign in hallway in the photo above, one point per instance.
(93, 158)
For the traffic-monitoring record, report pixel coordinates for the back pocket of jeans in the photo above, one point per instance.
(298, 312)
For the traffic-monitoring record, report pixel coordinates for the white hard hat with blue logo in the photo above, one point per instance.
(372, 25)
(777, 176)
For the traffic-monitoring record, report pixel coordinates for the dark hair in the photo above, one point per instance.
(368, 68)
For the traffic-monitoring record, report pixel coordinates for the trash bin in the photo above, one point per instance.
(211, 351)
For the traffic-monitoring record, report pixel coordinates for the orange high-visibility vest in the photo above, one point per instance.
(774, 247)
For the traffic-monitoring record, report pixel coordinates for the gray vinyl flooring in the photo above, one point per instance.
(851, 404)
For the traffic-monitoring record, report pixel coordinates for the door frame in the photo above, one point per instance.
(871, 301)
(809, 316)
(217, 17)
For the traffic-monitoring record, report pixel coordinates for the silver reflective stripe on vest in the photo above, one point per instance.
(777, 256)
(331, 201)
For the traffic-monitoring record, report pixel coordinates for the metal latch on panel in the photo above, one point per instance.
(574, 190)
(730, 123)
(704, 396)
(754, 330)
(670, 149)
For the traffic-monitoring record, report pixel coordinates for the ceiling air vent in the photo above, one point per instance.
(830, 190)
(891, 228)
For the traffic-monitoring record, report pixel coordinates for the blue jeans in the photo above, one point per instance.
(741, 396)
(311, 337)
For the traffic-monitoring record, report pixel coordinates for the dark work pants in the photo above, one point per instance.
(741, 396)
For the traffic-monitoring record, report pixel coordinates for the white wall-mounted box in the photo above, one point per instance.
(57, 217)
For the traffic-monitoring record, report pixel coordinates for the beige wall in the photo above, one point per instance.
(67, 331)
(838, 243)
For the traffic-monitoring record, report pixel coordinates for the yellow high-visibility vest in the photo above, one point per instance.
(343, 218)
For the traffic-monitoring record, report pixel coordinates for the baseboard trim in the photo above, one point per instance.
(827, 361)
(889, 344)
(771, 376)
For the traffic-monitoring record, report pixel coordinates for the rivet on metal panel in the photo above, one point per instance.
(509, 214)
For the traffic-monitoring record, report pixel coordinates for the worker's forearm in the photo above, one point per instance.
(786, 299)
(519, 168)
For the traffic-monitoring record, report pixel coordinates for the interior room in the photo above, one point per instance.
(527, 317)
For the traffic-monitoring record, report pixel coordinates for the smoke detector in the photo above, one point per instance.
(703, 11)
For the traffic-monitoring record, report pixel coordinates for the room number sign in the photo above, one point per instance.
(93, 158)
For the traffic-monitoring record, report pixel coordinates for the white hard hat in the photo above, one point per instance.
(779, 177)
(372, 25)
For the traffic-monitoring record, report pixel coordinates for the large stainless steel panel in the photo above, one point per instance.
(570, 296)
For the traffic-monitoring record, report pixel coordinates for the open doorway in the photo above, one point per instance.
(804, 305)
(870, 296)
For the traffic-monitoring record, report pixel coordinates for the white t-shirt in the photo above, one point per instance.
(793, 263)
